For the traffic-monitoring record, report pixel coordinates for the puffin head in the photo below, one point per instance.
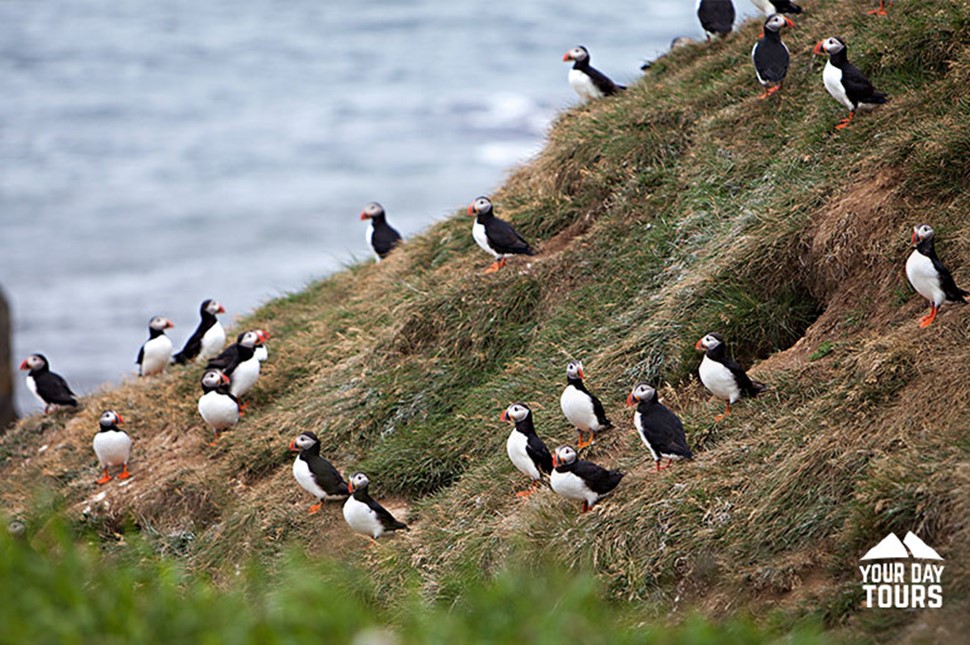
(110, 418)
(212, 307)
(641, 392)
(577, 54)
(563, 456)
(261, 336)
(214, 379)
(34, 362)
(922, 232)
(358, 481)
(574, 370)
(159, 323)
(304, 441)
(831, 45)
(480, 206)
(371, 211)
(709, 342)
(775, 22)
(248, 338)
(516, 412)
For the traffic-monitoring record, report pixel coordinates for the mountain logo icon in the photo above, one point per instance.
(892, 547)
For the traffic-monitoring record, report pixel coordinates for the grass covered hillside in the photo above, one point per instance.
(683, 206)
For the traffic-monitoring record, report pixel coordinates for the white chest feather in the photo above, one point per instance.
(478, 232)
(638, 422)
(113, 447)
(764, 6)
(369, 235)
(32, 386)
(244, 377)
(516, 447)
(719, 380)
(261, 353)
(924, 278)
(303, 476)
(362, 519)
(584, 85)
(157, 353)
(832, 77)
(570, 486)
(212, 341)
(578, 409)
(218, 410)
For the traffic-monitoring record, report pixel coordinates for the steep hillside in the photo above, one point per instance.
(684, 206)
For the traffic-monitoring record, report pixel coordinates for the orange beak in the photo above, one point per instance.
(471, 209)
(698, 346)
(350, 488)
(818, 48)
(120, 418)
(914, 244)
(789, 22)
(581, 374)
(293, 447)
(221, 310)
(629, 400)
(224, 379)
(363, 216)
(169, 324)
(566, 57)
(504, 416)
(555, 461)
(24, 365)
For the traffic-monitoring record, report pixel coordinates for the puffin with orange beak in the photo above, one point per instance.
(845, 82)
(365, 515)
(246, 373)
(581, 407)
(315, 474)
(660, 429)
(217, 406)
(928, 276)
(50, 389)
(716, 17)
(580, 479)
(770, 55)
(155, 353)
(208, 338)
(722, 375)
(587, 81)
(496, 237)
(525, 448)
(381, 236)
(112, 445)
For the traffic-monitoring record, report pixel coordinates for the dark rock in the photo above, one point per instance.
(7, 412)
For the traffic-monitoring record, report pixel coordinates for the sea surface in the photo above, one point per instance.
(154, 154)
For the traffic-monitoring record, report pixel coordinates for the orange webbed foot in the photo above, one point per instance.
(525, 493)
(105, 478)
(495, 266)
(315, 508)
(124, 473)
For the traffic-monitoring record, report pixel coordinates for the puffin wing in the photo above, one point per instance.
(598, 479)
(746, 385)
(385, 239)
(192, 347)
(505, 239)
(226, 361)
(600, 412)
(327, 477)
(858, 88)
(603, 82)
(770, 60)
(141, 356)
(947, 283)
(54, 389)
(538, 453)
(385, 517)
(666, 428)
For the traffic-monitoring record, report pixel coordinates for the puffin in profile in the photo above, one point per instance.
(929, 277)
(589, 82)
(239, 352)
(495, 236)
(580, 407)
(525, 448)
(770, 55)
(845, 82)
(208, 338)
(246, 373)
(660, 429)
(155, 353)
(112, 445)
(721, 375)
(315, 474)
(769, 7)
(50, 389)
(381, 236)
(881, 11)
(716, 16)
(580, 479)
(218, 407)
(363, 514)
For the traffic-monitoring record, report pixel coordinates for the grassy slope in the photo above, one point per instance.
(684, 206)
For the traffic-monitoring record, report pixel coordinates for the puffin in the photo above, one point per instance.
(156, 352)
(769, 7)
(363, 514)
(246, 373)
(218, 407)
(723, 376)
(495, 236)
(660, 429)
(50, 389)
(112, 445)
(525, 448)
(929, 277)
(315, 474)
(580, 407)
(716, 16)
(845, 82)
(770, 55)
(881, 11)
(208, 338)
(381, 236)
(242, 350)
(589, 82)
(580, 479)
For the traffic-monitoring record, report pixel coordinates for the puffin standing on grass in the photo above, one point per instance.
(929, 277)
(363, 514)
(50, 389)
(659, 428)
(580, 479)
(845, 82)
(716, 16)
(770, 55)
(589, 82)
(239, 352)
(315, 474)
(381, 236)
(769, 7)
(156, 352)
(208, 338)
(525, 448)
(112, 445)
(246, 373)
(722, 375)
(580, 407)
(495, 236)
(218, 407)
